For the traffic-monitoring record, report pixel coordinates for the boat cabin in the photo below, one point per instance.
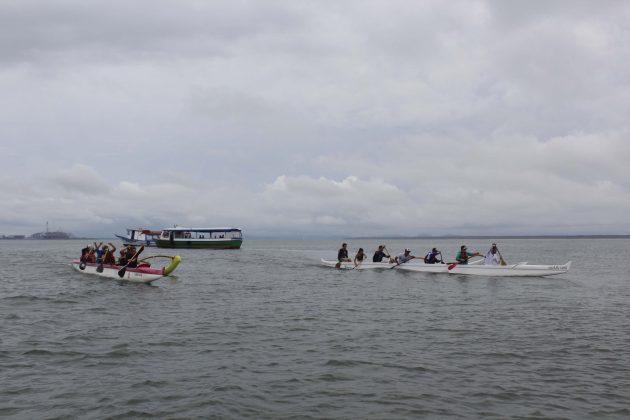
(204, 234)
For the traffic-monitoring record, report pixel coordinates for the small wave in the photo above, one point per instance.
(227, 388)
(120, 354)
(151, 383)
(334, 362)
(44, 352)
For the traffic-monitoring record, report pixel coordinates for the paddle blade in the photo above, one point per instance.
(121, 272)
(451, 266)
(99, 268)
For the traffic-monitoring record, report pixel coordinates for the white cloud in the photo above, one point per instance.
(360, 117)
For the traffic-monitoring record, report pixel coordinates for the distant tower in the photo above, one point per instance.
(46, 227)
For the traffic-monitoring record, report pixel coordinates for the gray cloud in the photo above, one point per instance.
(360, 117)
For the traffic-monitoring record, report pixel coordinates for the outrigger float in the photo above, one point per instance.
(474, 268)
(143, 273)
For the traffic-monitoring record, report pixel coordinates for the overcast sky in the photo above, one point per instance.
(316, 118)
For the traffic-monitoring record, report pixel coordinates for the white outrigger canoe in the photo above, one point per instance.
(141, 274)
(418, 265)
(475, 268)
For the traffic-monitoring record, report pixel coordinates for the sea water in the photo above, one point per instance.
(267, 332)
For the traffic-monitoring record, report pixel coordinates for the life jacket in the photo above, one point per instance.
(109, 258)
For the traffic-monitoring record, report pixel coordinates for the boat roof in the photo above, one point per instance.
(144, 230)
(218, 229)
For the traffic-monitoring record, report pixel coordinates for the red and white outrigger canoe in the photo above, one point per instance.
(141, 274)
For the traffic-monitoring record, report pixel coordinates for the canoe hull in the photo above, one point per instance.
(513, 270)
(414, 265)
(475, 268)
(365, 265)
(135, 275)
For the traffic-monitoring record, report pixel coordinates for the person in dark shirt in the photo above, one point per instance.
(432, 257)
(342, 255)
(380, 254)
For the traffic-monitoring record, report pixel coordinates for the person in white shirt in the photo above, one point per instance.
(493, 256)
(403, 258)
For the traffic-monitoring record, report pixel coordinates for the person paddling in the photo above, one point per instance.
(432, 257)
(493, 256)
(380, 254)
(108, 254)
(358, 259)
(463, 255)
(132, 258)
(404, 257)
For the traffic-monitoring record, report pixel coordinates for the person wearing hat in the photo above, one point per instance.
(431, 257)
(493, 256)
(404, 257)
(463, 255)
(380, 254)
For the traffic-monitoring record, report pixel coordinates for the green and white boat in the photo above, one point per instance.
(213, 238)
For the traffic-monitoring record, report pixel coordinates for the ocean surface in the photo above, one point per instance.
(266, 332)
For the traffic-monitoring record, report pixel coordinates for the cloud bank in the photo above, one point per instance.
(316, 118)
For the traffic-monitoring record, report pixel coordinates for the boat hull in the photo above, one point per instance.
(513, 270)
(136, 242)
(365, 265)
(414, 265)
(199, 243)
(135, 275)
(475, 268)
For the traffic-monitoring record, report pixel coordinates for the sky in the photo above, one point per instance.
(316, 118)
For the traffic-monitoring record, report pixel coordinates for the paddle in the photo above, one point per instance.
(501, 258)
(388, 255)
(455, 264)
(83, 264)
(99, 268)
(121, 272)
(402, 263)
